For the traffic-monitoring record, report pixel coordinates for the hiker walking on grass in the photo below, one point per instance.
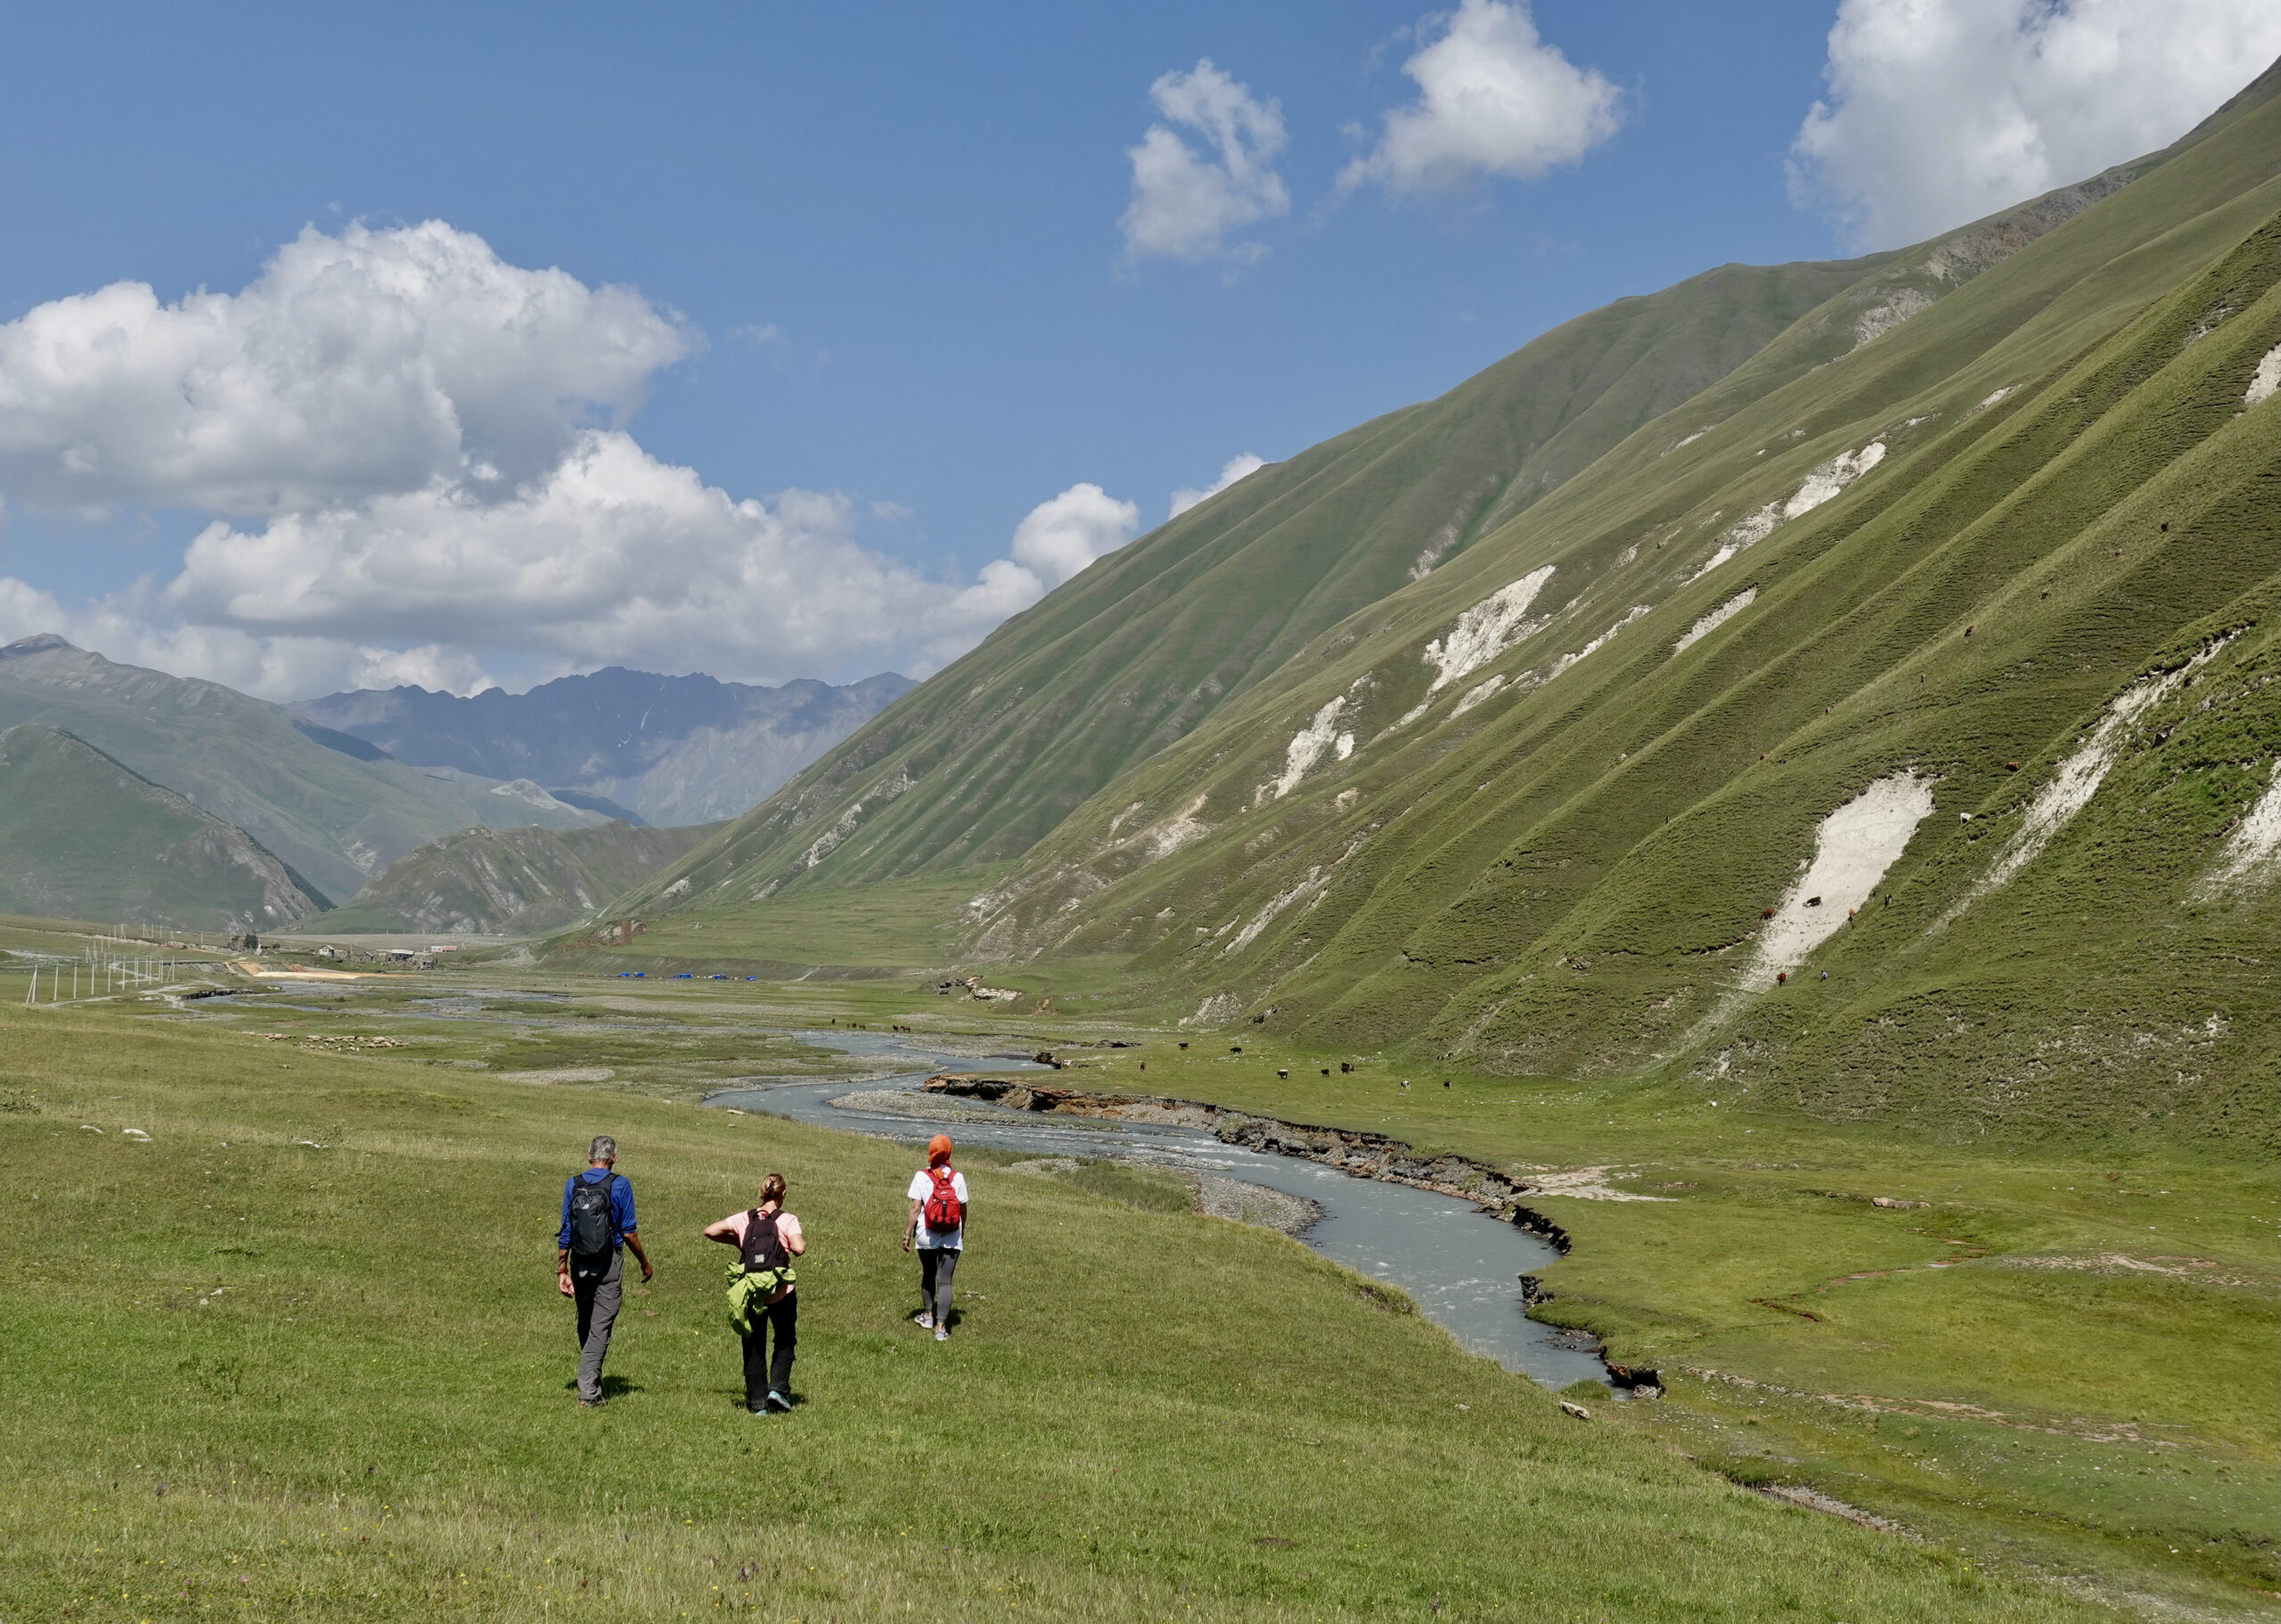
(597, 1220)
(938, 1222)
(767, 1238)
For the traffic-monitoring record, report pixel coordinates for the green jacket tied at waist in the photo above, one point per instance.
(749, 1292)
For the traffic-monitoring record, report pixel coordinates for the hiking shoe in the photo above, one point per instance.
(942, 1333)
(924, 1320)
(777, 1401)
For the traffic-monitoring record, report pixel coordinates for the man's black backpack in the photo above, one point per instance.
(591, 1229)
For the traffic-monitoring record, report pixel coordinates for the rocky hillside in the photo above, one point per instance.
(668, 750)
(485, 881)
(84, 837)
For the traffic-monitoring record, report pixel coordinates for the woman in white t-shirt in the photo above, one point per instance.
(938, 1222)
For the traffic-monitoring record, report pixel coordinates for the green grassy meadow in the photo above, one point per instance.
(345, 1359)
(257, 1376)
(879, 927)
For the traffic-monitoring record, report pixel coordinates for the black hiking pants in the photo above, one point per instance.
(763, 1375)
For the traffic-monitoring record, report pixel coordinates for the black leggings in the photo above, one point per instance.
(763, 1377)
(936, 1264)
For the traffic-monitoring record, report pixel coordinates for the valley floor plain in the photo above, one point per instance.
(301, 1355)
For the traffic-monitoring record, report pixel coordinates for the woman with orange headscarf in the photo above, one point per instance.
(936, 1222)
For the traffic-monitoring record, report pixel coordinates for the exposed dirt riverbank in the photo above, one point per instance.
(1357, 1154)
(1362, 1155)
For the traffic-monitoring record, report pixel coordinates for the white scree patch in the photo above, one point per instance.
(2265, 382)
(2071, 788)
(1310, 891)
(1833, 477)
(1475, 695)
(1497, 623)
(1485, 631)
(1183, 828)
(1566, 660)
(827, 843)
(1716, 618)
(1307, 889)
(1853, 849)
(1883, 317)
(1306, 749)
(1819, 487)
(2253, 854)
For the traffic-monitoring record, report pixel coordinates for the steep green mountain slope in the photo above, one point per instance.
(1993, 595)
(1560, 804)
(1145, 646)
(337, 818)
(504, 881)
(82, 837)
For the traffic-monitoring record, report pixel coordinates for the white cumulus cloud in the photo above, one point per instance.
(1236, 467)
(414, 460)
(367, 364)
(1187, 200)
(1493, 99)
(613, 557)
(1063, 533)
(1939, 112)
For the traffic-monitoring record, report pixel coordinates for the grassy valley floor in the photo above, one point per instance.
(300, 1354)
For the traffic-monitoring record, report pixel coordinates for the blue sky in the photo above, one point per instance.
(887, 240)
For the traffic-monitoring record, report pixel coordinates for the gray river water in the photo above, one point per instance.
(1461, 1267)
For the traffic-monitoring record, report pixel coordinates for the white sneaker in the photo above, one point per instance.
(925, 1322)
(942, 1333)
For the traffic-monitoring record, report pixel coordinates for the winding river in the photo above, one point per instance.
(1461, 1267)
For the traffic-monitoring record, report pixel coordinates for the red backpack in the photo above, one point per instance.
(943, 1210)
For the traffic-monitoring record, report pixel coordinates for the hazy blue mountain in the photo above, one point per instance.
(631, 744)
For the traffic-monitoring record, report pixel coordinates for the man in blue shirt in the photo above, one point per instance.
(597, 1220)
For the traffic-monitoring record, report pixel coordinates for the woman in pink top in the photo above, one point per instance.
(767, 1236)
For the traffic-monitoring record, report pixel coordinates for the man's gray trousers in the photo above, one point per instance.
(595, 1283)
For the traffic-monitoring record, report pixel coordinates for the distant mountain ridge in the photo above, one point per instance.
(675, 750)
(487, 881)
(84, 837)
(336, 818)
